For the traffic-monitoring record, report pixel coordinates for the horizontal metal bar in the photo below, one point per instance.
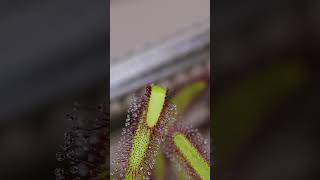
(150, 65)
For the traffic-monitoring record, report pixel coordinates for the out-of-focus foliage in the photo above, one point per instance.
(241, 110)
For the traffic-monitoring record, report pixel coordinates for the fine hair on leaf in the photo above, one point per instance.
(187, 148)
(146, 127)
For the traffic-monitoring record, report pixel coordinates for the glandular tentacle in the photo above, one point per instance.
(146, 127)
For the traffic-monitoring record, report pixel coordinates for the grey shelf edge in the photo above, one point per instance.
(163, 60)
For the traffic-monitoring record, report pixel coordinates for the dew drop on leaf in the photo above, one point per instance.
(60, 156)
(58, 172)
(74, 169)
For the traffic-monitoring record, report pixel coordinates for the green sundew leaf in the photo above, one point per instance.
(159, 170)
(182, 98)
(192, 155)
(139, 147)
(142, 137)
(132, 176)
(156, 102)
(185, 95)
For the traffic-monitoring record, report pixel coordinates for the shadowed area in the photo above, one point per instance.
(266, 94)
(52, 54)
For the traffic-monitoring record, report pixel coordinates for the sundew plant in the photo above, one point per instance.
(155, 142)
(154, 126)
(147, 124)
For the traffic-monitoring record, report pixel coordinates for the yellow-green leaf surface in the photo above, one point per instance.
(142, 135)
(159, 171)
(192, 155)
(156, 102)
(186, 94)
(139, 147)
(182, 99)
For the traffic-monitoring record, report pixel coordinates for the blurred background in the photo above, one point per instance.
(52, 53)
(266, 90)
